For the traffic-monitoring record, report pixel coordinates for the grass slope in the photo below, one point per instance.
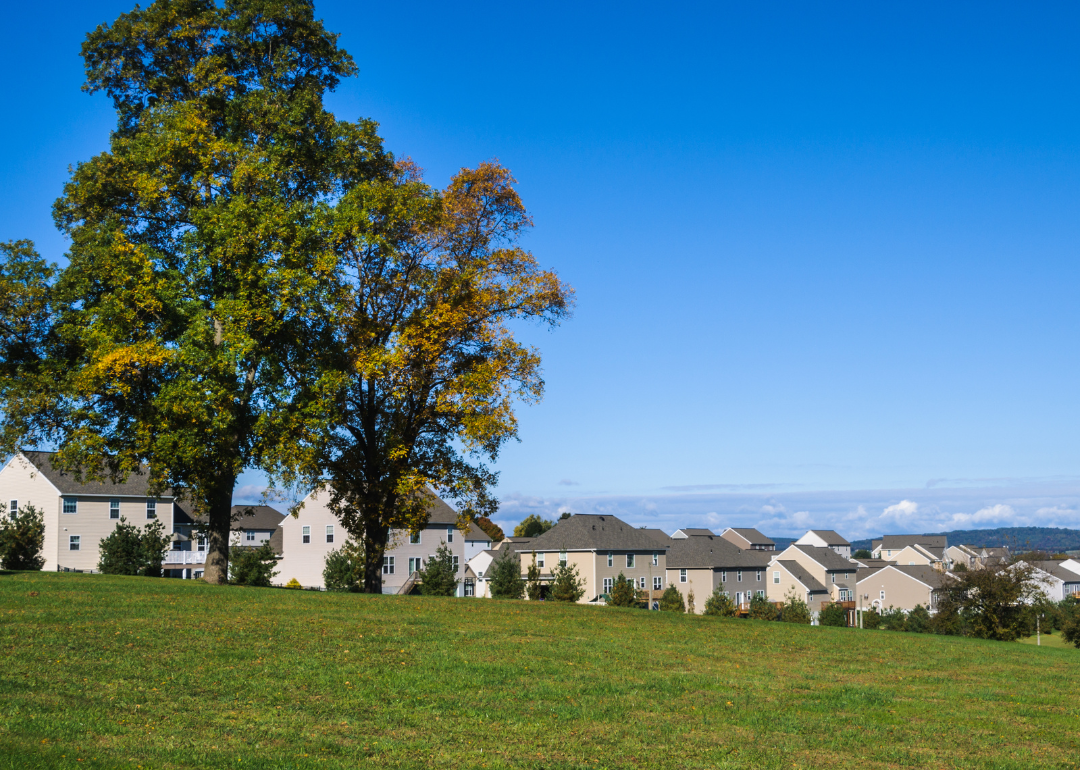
(128, 672)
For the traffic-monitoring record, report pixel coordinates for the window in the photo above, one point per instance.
(449, 534)
(776, 578)
(470, 589)
(888, 552)
(455, 565)
(761, 594)
(249, 536)
(629, 561)
(415, 565)
(329, 533)
(71, 505)
(655, 559)
(306, 532)
(657, 584)
(610, 559)
(882, 596)
(388, 565)
(562, 558)
(73, 542)
(202, 544)
(682, 576)
(759, 576)
(738, 576)
(151, 509)
(414, 538)
(13, 510)
(641, 583)
(723, 577)
(608, 584)
(540, 560)
(114, 509)
(833, 577)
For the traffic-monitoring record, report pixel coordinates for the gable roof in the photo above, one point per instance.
(256, 517)
(831, 537)
(658, 534)
(900, 542)
(826, 557)
(1057, 569)
(923, 573)
(590, 532)
(691, 532)
(715, 553)
(135, 485)
(752, 536)
(799, 572)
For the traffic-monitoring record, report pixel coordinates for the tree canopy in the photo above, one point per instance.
(532, 526)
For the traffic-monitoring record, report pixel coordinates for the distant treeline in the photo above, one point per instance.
(1049, 539)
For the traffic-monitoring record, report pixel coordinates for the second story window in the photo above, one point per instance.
(249, 536)
(414, 538)
(655, 559)
(723, 577)
(71, 505)
(13, 510)
(610, 559)
(455, 565)
(540, 560)
(114, 509)
(682, 576)
(449, 534)
(562, 558)
(202, 544)
(738, 576)
(629, 561)
(833, 577)
(151, 509)
(329, 533)
(776, 578)
(759, 576)
(305, 533)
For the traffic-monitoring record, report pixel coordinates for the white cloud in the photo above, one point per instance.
(900, 512)
(990, 514)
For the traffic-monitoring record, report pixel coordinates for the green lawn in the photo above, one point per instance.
(128, 672)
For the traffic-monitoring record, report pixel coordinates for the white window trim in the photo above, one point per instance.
(655, 559)
(416, 541)
(75, 540)
(151, 509)
(682, 576)
(74, 504)
(657, 583)
(610, 559)
(305, 534)
(13, 510)
(608, 585)
(776, 577)
(330, 533)
(449, 535)
(540, 562)
(631, 561)
(114, 506)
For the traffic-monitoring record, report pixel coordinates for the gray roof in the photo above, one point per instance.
(826, 557)
(921, 572)
(256, 517)
(510, 543)
(751, 534)
(1055, 568)
(714, 552)
(659, 535)
(691, 532)
(899, 542)
(589, 532)
(136, 485)
(873, 563)
(831, 537)
(799, 572)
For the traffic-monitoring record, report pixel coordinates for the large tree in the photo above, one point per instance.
(429, 284)
(202, 256)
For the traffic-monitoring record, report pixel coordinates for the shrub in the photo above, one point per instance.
(947, 621)
(871, 619)
(566, 585)
(762, 609)
(438, 578)
(131, 551)
(504, 577)
(344, 569)
(918, 621)
(622, 593)
(672, 600)
(253, 566)
(690, 602)
(533, 587)
(22, 539)
(833, 615)
(862, 553)
(720, 604)
(893, 619)
(293, 583)
(795, 611)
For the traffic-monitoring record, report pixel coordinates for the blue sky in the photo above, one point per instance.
(825, 258)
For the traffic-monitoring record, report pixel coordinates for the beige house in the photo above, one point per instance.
(826, 538)
(787, 577)
(963, 554)
(830, 570)
(77, 515)
(704, 563)
(899, 586)
(913, 550)
(315, 531)
(748, 539)
(601, 547)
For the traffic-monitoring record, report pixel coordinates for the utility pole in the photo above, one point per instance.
(1038, 632)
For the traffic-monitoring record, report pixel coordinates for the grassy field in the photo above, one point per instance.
(131, 672)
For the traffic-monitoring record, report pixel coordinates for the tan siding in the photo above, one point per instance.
(19, 480)
(909, 556)
(700, 581)
(901, 591)
(643, 568)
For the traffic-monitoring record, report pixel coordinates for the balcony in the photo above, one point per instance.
(185, 557)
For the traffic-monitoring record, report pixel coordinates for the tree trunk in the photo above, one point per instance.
(218, 525)
(374, 548)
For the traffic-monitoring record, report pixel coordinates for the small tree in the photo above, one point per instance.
(690, 602)
(719, 604)
(131, 551)
(533, 588)
(532, 526)
(438, 577)
(491, 529)
(893, 619)
(1070, 621)
(344, 569)
(918, 621)
(293, 583)
(672, 600)
(833, 614)
(795, 611)
(862, 553)
(566, 584)
(505, 577)
(871, 619)
(253, 566)
(22, 539)
(762, 609)
(622, 593)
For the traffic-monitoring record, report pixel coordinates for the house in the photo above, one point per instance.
(913, 550)
(511, 543)
(252, 525)
(787, 577)
(875, 563)
(315, 531)
(823, 564)
(601, 547)
(748, 539)
(1056, 580)
(963, 554)
(826, 538)
(899, 586)
(680, 534)
(479, 569)
(78, 515)
(703, 564)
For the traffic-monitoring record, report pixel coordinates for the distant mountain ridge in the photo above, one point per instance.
(1050, 539)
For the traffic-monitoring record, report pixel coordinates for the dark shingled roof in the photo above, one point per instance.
(256, 517)
(136, 485)
(830, 537)
(1055, 568)
(899, 542)
(659, 535)
(589, 532)
(799, 573)
(691, 532)
(826, 557)
(714, 552)
(921, 572)
(751, 534)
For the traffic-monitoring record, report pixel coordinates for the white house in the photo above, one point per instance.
(77, 515)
